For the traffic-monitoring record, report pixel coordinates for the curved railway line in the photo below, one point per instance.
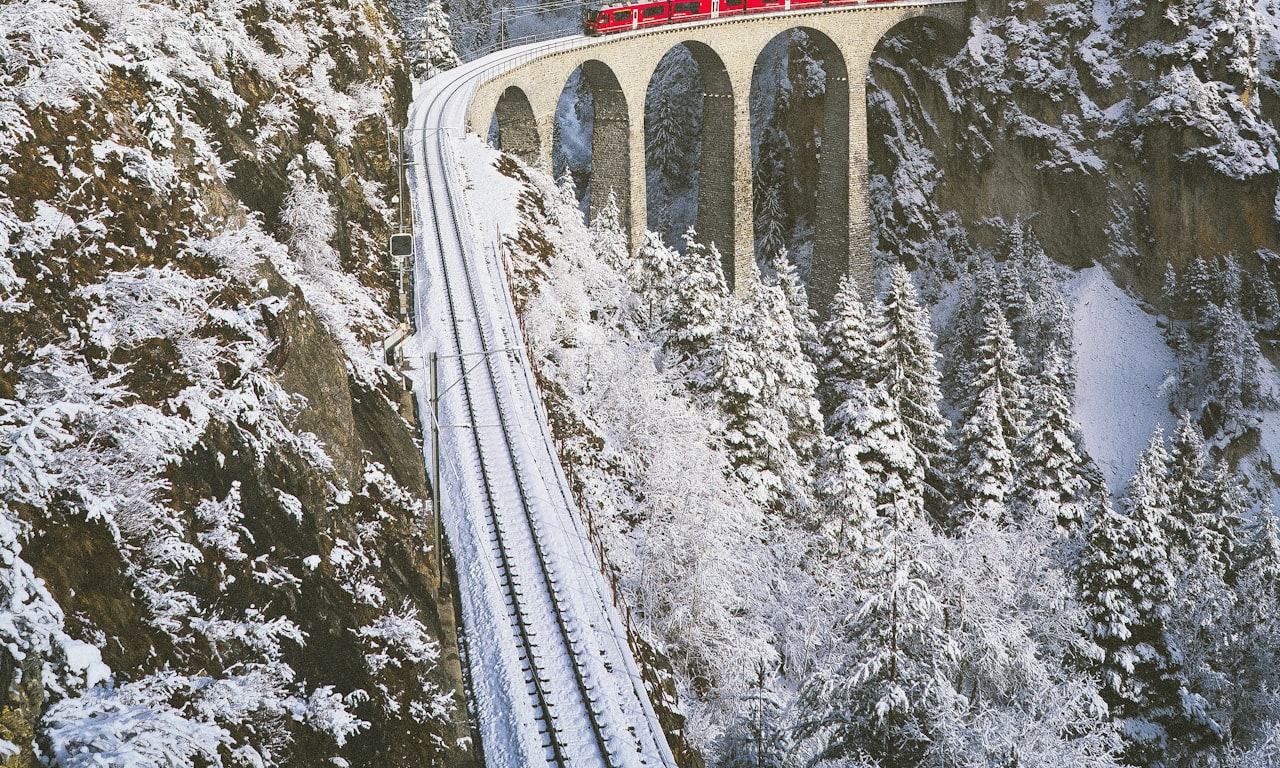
(552, 679)
(558, 639)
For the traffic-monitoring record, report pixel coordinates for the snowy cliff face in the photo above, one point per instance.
(213, 538)
(1136, 134)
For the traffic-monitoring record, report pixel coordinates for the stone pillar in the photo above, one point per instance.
(639, 195)
(742, 271)
(858, 248)
(546, 133)
(717, 205)
(611, 148)
(843, 163)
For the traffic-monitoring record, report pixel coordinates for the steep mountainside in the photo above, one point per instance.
(216, 545)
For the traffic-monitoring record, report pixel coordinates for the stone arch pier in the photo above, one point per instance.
(618, 70)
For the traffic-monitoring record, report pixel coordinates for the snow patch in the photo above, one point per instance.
(1122, 364)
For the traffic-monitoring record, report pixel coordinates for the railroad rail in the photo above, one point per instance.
(553, 680)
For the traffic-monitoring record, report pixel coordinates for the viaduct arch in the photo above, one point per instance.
(618, 70)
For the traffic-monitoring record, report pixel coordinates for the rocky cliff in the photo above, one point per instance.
(1131, 133)
(216, 545)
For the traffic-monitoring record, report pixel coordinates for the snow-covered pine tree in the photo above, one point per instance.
(1055, 476)
(1189, 483)
(1128, 585)
(1204, 517)
(759, 737)
(433, 45)
(1253, 644)
(653, 277)
(847, 360)
(607, 238)
(797, 295)
(905, 347)
(754, 432)
(882, 705)
(771, 223)
(663, 144)
(845, 494)
(1219, 375)
(1260, 300)
(694, 310)
(862, 416)
(1232, 372)
(1223, 520)
(993, 423)
(869, 464)
(979, 297)
(765, 388)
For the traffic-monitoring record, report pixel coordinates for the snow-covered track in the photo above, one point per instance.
(553, 679)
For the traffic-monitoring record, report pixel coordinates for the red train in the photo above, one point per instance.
(618, 18)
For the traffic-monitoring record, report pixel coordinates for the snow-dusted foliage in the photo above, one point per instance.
(1220, 377)
(431, 47)
(765, 513)
(992, 424)
(658, 488)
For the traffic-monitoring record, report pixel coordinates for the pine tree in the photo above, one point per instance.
(906, 348)
(994, 422)
(607, 238)
(979, 298)
(1048, 328)
(665, 137)
(695, 309)
(1055, 474)
(771, 223)
(1222, 520)
(433, 46)
(847, 357)
(653, 277)
(797, 295)
(846, 495)
(1189, 485)
(765, 388)
(759, 737)
(1128, 584)
(870, 465)
(1253, 636)
(1220, 374)
(883, 703)
(870, 370)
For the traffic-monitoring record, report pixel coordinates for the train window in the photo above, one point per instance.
(684, 8)
(653, 10)
(622, 15)
(731, 3)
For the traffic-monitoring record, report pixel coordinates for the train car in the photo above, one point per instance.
(619, 18)
(773, 6)
(691, 10)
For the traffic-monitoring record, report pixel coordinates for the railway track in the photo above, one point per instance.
(552, 677)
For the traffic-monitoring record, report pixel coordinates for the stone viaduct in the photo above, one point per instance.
(618, 69)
